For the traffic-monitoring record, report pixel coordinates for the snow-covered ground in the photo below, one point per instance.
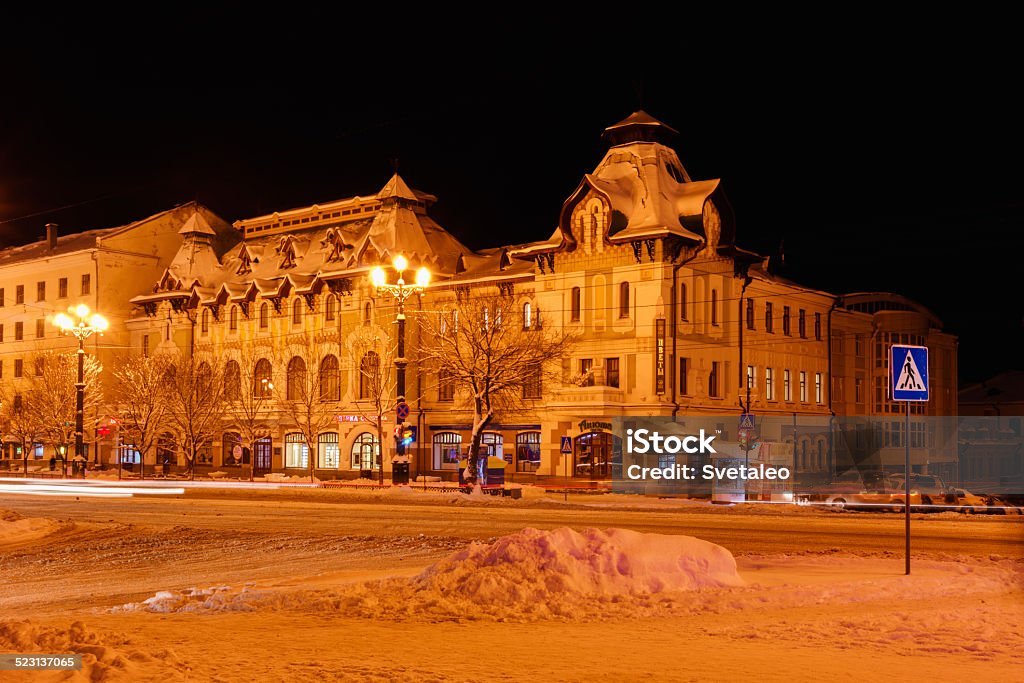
(237, 600)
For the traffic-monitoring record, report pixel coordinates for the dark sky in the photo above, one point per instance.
(884, 164)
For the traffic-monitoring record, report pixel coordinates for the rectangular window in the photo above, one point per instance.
(750, 314)
(611, 372)
(587, 371)
(684, 385)
(40, 291)
(917, 438)
(145, 345)
(18, 367)
(62, 288)
(714, 307)
(751, 377)
(533, 385)
(858, 346)
(713, 380)
(19, 294)
(787, 386)
(819, 396)
(682, 302)
(19, 331)
(858, 390)
(817, 326)
(769, 384)
(40, 328)
(1, 333)
(86, 283)
(1, 297)
(786, 330)
(445, 386)
(802, 322)
(769, 323)
(40, 363)
(575, 304)
(803, 386)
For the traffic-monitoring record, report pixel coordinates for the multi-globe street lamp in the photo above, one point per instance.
(82, 326)
(400, 291)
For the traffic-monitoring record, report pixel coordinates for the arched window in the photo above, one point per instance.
(330, 307)
(262, 379)
(327, 453)
(296, 452)
(264, 316)
(575, 304)
(233, 319)
(527, 316)
(683, 315)
(369, 375)
(296, 389)
(447, 447)
(367, 313)
(365, 452)
(204, 379)
(624, 300)
(232, 381)
(297, 312)
(330, 380)
(205, 324)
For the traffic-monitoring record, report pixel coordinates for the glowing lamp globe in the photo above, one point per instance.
(378, 277)
(422, 277)
(401, 263)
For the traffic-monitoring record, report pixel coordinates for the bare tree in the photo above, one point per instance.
(372, 355)
(487, 347)
(52, 380)
(195, 391)
(20, 419)
(312, 387)
(139, 395)
(248, 395)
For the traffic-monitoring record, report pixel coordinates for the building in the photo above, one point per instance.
(101, 268)
(672, 318)
(991, 433)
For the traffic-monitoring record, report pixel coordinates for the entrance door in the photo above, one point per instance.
(263, 461)
(593, 456)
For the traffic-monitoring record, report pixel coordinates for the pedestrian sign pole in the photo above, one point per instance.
(566, 452)
(908, 371)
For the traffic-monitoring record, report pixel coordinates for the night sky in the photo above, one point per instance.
(898, 171)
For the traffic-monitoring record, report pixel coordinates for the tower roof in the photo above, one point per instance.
(197, 225)
(396, 188)
(639, 127)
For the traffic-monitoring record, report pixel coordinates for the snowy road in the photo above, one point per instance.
(824, 596)
(750, 529)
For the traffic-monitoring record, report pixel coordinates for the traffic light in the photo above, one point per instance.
(405, 436)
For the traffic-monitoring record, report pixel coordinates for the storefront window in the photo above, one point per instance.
(296, 452)
(527, 451)
(593, 456)
(231, 449)
(446, 450)
(365, 452)
(328, 455)
(492, 443)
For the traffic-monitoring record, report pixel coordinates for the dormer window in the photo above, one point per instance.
(333, 245)
(286, 249)
(244, 262)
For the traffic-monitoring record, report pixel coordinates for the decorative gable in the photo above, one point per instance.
(589, 223)
(244, 261)
(333, 245)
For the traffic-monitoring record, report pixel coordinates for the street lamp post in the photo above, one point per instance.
(84, 328)
(400, 291)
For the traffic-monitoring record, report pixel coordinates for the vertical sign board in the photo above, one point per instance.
(908, 381)
(659, 356)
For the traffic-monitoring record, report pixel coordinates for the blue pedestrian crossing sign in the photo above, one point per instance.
(747, 421)
(908, 370)
(566, 445)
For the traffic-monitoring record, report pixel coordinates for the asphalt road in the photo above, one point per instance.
(743, 530)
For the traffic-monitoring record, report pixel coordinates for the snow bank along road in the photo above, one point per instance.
(314, 585)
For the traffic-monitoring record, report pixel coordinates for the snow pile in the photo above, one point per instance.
(526, 576)
(17, 529)
(533, 565)
(104, 657)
